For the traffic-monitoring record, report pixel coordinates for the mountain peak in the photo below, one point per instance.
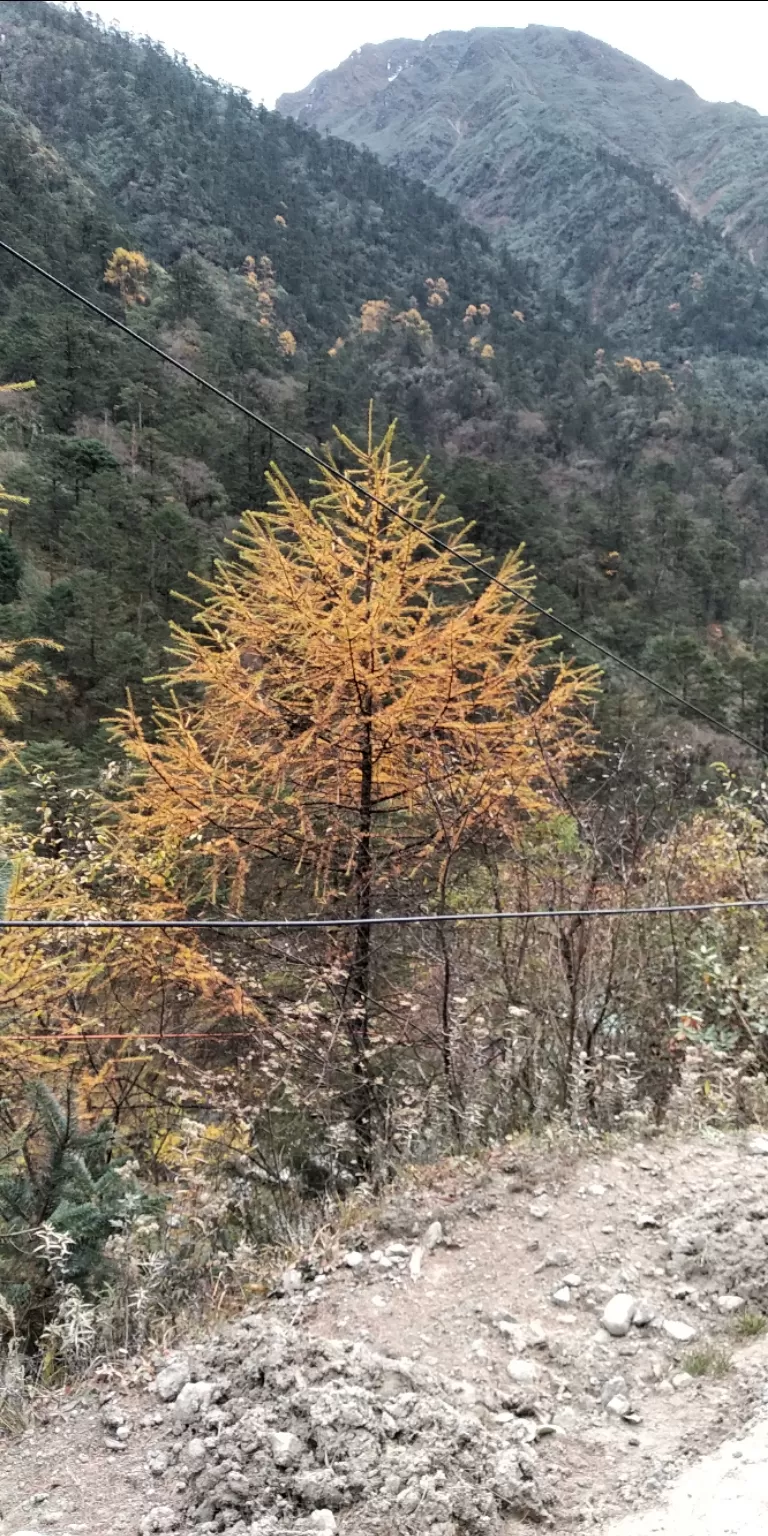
(477, 113)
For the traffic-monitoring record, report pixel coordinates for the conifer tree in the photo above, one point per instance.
(352, 710)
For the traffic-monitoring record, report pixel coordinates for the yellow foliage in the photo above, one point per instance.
(280, 221)
(517, 314)
(333, 667)
(113, 987)
(435, 300)
(337, 346)
(413, 320)
(128, 271)
(6, 498)
(260, 278)
(374, 315)
(487, 350)
(637, 366)
(475, 342)
(287, 343)
(485, 310)
(470, 314)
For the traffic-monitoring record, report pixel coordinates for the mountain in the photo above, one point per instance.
(641, 199)
(306, 277)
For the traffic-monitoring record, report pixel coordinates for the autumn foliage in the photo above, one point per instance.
(128, 271)
(349, 714)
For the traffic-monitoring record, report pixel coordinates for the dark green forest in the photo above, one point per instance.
(640, 493)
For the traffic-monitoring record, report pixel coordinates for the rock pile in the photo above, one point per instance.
(724, 1246)
(266, 1431)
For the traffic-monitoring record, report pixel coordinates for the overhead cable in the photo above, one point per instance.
(389, 920)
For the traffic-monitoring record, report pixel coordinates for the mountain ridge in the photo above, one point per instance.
(516, 127)
(589, 111)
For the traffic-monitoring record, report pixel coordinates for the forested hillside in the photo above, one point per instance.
(640, 502)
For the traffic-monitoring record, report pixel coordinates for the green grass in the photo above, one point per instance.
(707, 1360)
(749, 1325)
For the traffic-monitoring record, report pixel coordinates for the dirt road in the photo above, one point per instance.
(479, 1290)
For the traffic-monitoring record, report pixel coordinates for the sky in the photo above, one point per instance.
(271, 46)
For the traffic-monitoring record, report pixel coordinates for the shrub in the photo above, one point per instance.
(64, 1193)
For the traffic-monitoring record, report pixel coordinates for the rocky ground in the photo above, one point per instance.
(548, 1338)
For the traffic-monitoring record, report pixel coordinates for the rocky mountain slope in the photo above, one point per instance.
(581, 155)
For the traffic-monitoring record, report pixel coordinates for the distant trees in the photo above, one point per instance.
(128, 271)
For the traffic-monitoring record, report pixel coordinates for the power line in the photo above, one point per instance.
(186, 1034)
(393, 920)
(434, 539)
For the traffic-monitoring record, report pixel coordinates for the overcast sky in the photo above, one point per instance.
(271, 46)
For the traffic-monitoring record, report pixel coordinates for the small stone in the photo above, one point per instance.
(644, 1315)
(123, 1432)
(112, 1416)
(433, 1238)
(574, 1281)
(539, 1210)
(192, 1401)
(522, 1371)
(354, 1260)
(598, 1190)
(618, 1315)
(162, 1518)
(171, 1380)
(682, 1333)
(286, 1448)
(681, 1379)
(616, 1386)
(291, 1280)
(238, 1484)
(758, 1146)
(398, 1250)
(562, 1296)
(646, 1219)
(619, 1406)
(730, 1303)
(157, 1463)
(323, 1520)
(195, 1455)
(415, 1264)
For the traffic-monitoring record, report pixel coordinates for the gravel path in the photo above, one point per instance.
(722, 1495)
(573, 1338)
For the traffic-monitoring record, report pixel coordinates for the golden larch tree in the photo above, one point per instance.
(353, 706)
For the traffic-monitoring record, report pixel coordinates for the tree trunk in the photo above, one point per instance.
(359, 980)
